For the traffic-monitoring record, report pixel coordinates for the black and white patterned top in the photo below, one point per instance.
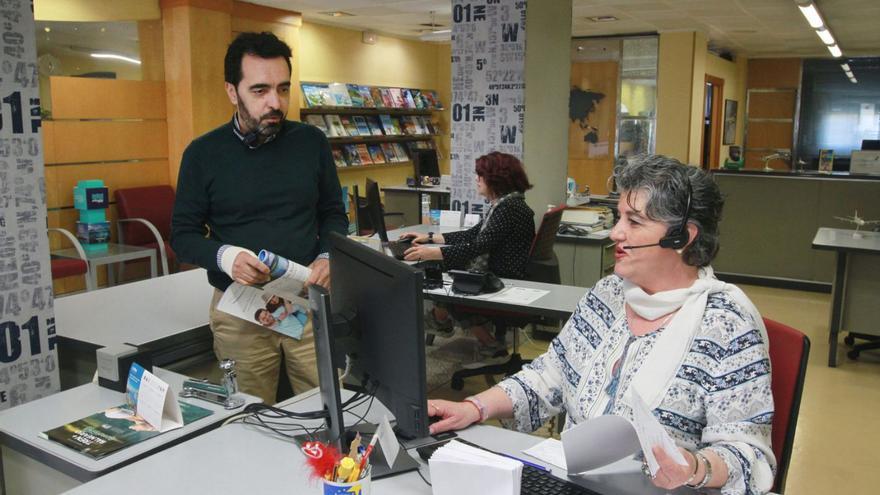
(507, 240)
(720, 398)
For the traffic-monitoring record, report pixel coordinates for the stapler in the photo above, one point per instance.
(222, 394)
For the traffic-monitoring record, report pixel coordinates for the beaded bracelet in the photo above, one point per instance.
(481, 409)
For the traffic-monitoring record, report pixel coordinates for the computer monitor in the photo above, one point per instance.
(425, 163)
(375, 211)
(870, 144)
(374, 316)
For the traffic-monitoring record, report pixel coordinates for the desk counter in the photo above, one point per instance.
(243, 459)
(33, 464)
(169, 314)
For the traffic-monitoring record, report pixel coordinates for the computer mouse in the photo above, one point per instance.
(406, 239)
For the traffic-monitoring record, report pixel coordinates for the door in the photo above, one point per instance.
(712, 114)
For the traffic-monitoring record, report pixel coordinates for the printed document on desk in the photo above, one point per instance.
(459, 469)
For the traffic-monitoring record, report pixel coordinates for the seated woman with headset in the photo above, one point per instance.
(661, 328)
(499, 244)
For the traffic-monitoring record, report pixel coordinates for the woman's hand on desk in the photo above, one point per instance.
(418, 238)
(454, 415)
(421, 252)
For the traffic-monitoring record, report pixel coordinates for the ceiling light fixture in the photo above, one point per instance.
(835, 51)
(845, 67)
(114, 56)
(812, 15)
(336, 13)
(825, 36)
(853, 80)
(603, 18)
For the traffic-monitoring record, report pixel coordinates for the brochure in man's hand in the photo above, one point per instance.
(278, 305)
(116, 428)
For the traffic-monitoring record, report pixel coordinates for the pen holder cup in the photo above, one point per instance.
(360, 487)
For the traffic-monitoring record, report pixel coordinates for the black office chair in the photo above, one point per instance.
(542, 267)
(362, 216)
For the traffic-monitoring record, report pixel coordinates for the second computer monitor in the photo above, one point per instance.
(426, 164)
(375, 210)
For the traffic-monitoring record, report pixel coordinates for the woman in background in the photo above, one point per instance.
(499, 244)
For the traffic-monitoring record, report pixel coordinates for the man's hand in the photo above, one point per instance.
(421, 252)
(320, 273)
(248, 270)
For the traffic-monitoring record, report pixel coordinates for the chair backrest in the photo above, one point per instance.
(153, 203)
(789, 350)
(542, 245)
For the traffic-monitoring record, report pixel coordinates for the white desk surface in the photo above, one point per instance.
(845, 240)
(20, 426)
(136, 313)
(243, 459)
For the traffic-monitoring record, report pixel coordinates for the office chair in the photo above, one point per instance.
(362, 215)
(144, 219)
(789, 350)
(542, 267)
(68, 267)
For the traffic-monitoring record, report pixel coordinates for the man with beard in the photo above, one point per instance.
(258, 182)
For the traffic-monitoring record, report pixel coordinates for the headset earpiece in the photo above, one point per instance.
(677, 236)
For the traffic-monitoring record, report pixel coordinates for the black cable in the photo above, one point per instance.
(423, 477)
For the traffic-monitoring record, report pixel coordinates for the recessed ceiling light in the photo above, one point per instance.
(47, 29)
(835, 51)
(603, 18)
(336, 13)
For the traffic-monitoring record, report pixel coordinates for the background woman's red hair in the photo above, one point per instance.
(502, 173)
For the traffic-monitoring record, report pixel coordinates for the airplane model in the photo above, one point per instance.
(859, 222)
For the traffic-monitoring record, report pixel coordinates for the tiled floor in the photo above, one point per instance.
(838, 435)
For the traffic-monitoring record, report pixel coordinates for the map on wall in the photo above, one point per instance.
(581, 105)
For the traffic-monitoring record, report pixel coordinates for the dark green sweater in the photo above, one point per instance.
(283, 196)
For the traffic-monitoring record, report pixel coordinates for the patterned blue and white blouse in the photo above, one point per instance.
(720, 398)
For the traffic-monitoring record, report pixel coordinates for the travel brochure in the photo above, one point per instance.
(278, 305)
(150, 410)
(358, 96)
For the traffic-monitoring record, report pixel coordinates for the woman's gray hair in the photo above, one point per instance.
(666, 182)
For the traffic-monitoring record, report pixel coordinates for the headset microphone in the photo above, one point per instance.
(641, 246)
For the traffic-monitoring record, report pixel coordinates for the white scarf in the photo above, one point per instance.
(655, 376)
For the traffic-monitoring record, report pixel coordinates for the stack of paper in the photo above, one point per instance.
(459, 469)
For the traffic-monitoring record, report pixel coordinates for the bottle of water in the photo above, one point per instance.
(426, 208)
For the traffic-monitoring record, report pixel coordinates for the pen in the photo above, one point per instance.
(527, 463)
(368, 451)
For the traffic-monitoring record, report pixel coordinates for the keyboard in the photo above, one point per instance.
(538, 482)
(534, 481)
(397, 248)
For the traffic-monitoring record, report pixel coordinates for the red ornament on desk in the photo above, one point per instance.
(321, 458)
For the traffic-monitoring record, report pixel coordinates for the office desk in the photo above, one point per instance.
(32, 464)
(242, 459)
(856, 283)
(408, 200)
(115, 253)
(168, 314)
(559, 303)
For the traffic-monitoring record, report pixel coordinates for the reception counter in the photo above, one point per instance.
(770, 219)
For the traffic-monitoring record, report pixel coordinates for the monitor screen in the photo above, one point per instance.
(387, 347)
(870, 144)
(425, 162)
(374, 209)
